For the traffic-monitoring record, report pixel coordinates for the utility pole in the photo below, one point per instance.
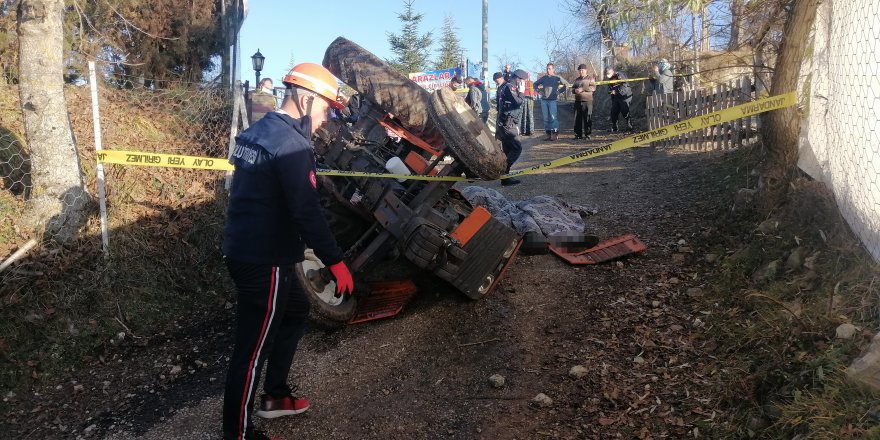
(485, 77)
(695, 67)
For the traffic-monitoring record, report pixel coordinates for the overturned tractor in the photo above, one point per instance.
(421, 225)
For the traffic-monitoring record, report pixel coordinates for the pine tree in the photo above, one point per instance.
(290, 64)
(449, 53)
(410, 49)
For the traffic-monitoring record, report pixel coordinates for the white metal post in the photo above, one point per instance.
(102, 193)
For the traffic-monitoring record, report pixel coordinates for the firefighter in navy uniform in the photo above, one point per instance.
(509, 99)
(274, 213)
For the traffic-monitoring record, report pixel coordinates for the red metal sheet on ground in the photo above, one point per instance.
(387, 298)
(604, 251)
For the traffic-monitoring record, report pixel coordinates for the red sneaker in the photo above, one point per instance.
(271, 407)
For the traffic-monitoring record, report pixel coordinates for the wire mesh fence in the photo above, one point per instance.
(165, 224)
(180, 118)
(841, 141)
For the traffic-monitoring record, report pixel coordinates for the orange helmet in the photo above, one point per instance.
(317, 79)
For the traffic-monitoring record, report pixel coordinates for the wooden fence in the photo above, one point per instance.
(673, 107)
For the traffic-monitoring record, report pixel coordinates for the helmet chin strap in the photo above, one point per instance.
(308, 110)
(292, 92)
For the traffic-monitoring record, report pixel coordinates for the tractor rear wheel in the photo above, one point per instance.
(385, 86)
(467, 136)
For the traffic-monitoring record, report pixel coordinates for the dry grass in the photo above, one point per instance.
(782, 369)
(63, 306)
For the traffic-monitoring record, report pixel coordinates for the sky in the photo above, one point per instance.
(302, 30)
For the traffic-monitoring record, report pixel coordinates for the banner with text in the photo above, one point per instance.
(435, 79)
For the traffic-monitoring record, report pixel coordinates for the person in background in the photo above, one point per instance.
(263, 100)
(527, 122)
(549, 87)
(661, 77)
(583, 88)
(267, 86)
(508, 73)
(274, 213)
(474, 97)
(484, 97)
(455, 82)
(621, 97)
(509, 99)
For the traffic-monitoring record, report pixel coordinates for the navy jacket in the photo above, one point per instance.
(509, 102)
(549, 87)
(274, 206)
(623, 90)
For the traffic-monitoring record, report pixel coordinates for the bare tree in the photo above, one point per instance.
(736, 17)
(506, 58)
(705, 28)
(782, 126)
(566, 50)
(60, 201)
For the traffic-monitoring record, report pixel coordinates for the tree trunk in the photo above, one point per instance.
(736, 12)
(758, 41)
(59, 200)
(705, 30)
(695, 67)
(602, 10)
(660, 41)
(225, 58)
(782, 127)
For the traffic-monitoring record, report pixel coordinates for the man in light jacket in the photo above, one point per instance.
(583, 88)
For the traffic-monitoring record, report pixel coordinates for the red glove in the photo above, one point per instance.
(344, 283)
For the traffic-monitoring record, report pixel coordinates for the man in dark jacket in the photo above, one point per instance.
(549, 87)
(509, 99)
(583, 88)
(621, 97)
(274, 213)
(661, 77)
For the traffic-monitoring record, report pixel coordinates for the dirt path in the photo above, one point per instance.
(633, 325)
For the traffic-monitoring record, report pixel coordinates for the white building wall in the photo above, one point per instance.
(840, 140)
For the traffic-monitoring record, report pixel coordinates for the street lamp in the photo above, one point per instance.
(257, 60)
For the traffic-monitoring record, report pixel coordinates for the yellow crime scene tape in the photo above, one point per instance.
(688, 125)
(641, 78)
(140, 158)
(617, 81)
